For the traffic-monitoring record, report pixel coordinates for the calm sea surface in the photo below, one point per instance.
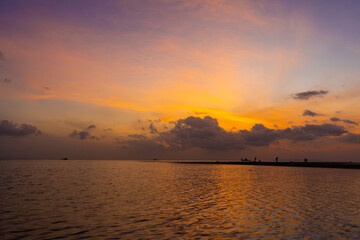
(157, 200)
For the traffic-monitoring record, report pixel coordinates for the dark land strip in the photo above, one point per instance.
(347, 165)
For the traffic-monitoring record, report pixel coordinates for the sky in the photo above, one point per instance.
(180, 79)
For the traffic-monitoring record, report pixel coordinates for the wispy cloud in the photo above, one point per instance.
(152, 128)
(311, 113)
(91, 127)
(309, 94)
(335, 119)
(350, 122)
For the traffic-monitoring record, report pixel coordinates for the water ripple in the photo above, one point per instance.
(146, 200)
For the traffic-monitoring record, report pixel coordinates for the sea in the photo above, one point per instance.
(102, 199)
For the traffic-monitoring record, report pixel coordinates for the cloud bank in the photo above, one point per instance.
(205, 133)
(8, 128)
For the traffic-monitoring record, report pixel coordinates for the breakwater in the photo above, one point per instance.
(348, 165)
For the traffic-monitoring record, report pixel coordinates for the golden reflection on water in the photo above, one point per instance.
(133, 200)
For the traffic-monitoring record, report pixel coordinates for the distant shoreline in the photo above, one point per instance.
(346, 165)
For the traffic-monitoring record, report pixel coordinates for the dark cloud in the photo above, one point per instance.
(47, 88)
(91, 127)
(149, 125)
(351, 138)
(82, 135)
(309, 94)
(205, 133)
(310, 113)
(350, 122)
(259, 135)
(335, 119)
(7, 80)
(152, 128)
(196, 132)
(8, 128)
(311, 132)
(325, 129)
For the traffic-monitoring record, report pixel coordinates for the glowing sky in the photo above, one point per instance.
(180, 79)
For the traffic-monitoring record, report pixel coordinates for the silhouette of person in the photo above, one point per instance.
(276, 159)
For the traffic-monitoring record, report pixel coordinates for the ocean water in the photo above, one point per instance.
(49, 199)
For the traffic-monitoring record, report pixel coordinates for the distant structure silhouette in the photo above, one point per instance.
(255, 159)
(305, 160)
(277, 159)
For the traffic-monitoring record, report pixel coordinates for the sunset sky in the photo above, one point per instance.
(180, 79)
